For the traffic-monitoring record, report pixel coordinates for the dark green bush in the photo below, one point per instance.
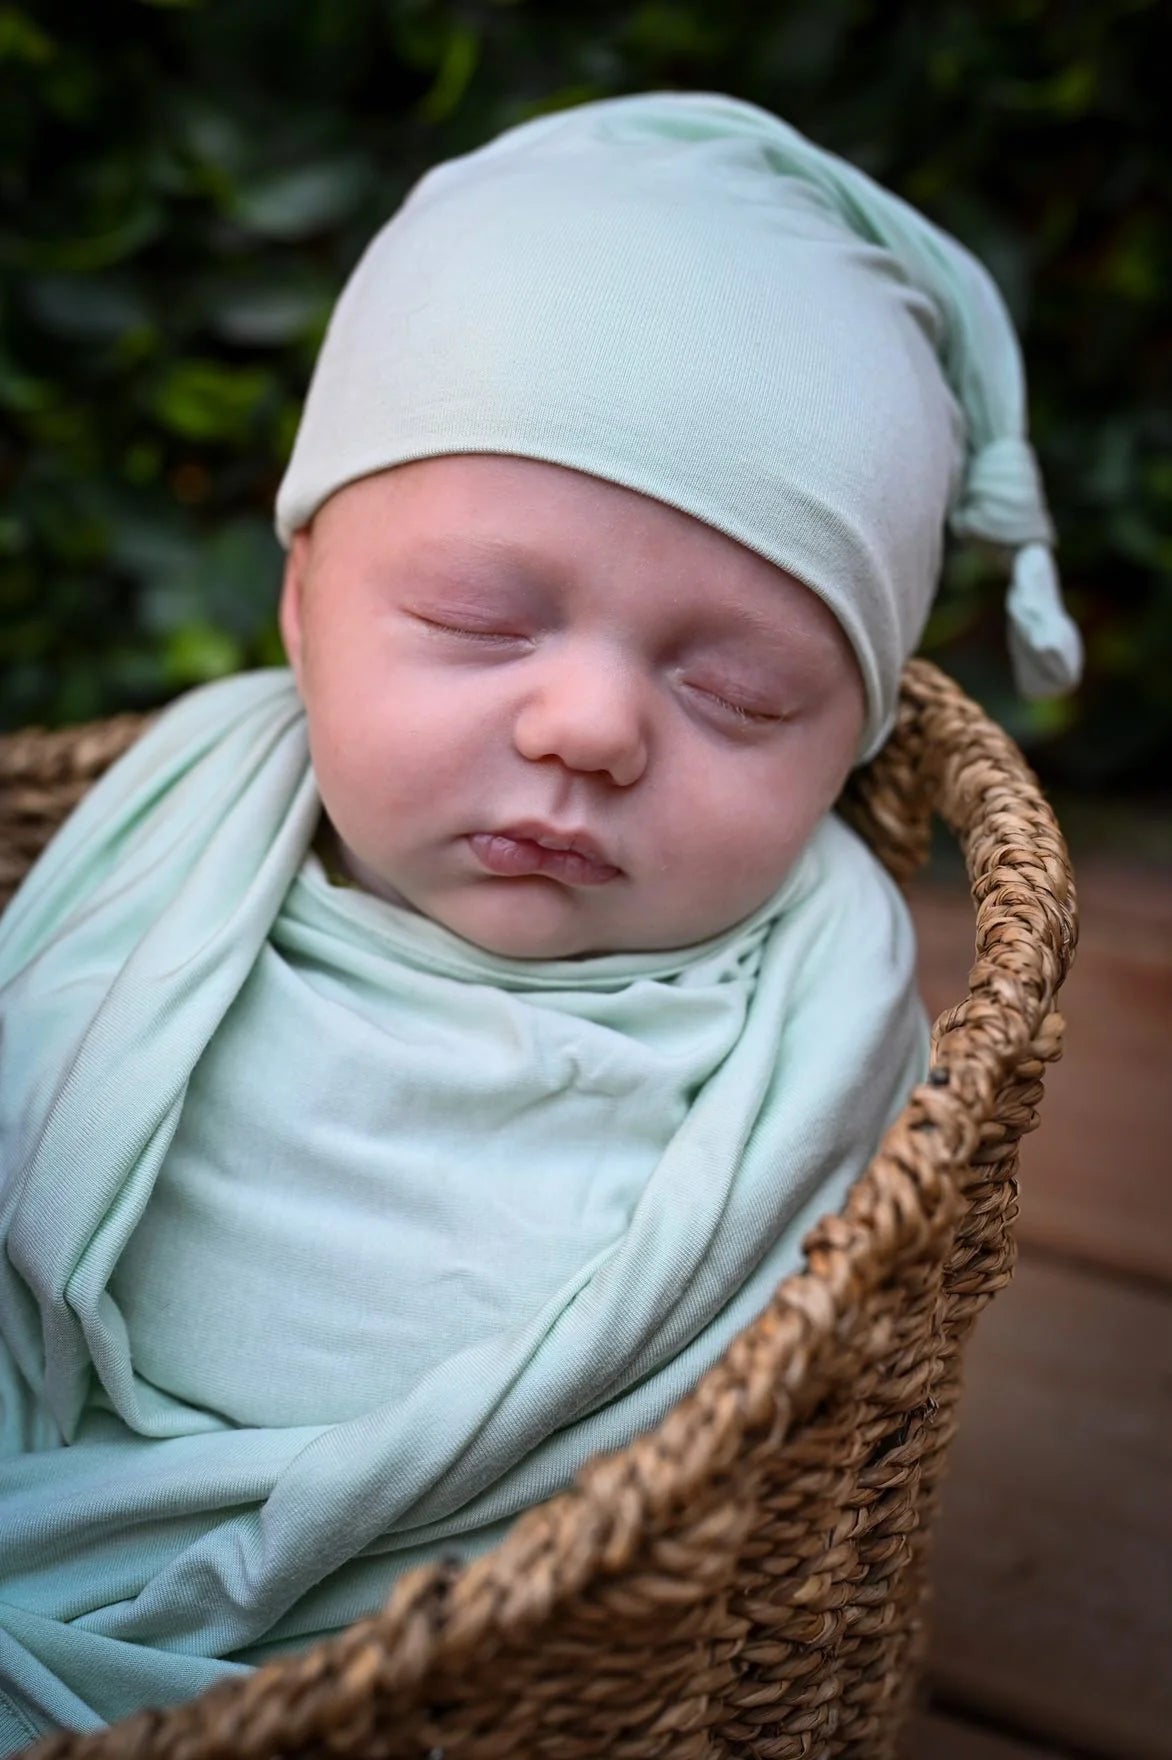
(186, 185)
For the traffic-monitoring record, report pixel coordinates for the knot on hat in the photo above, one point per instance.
(1044, 644)
(1003, 503)
(1002, 499)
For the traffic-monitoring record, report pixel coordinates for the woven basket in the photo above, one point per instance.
(747, 1579)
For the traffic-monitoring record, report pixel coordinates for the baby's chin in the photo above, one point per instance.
(530, 918)
(540, 919)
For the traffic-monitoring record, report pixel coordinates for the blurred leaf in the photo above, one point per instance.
(1138, 266)
(1066, 93)
(563, 98)
(1113, 463)
(141, 222)
(1158, 478)
(460, 54)
(88, 307)
(270, 649)
(297, 203)
(1135, 536)
(1048, 718)
(229, 581)
(267, 314)
(22, 40)
(239, 573)
(203, 400)
(198, 653)
(212, 138)
(154, 547)
(143, 461)
(659, 28)
(71, 87)
(20, 392)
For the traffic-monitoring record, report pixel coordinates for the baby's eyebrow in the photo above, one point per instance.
(753, 633)
(714, 622)
(488, 555)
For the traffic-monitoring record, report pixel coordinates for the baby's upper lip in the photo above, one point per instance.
(554, 837)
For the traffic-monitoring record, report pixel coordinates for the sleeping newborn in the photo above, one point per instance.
(419, 1063)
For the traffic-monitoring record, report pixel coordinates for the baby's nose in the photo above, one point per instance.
(589, 711)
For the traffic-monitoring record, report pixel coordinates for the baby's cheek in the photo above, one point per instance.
(350, 767)
(756, 837)
(425, 772)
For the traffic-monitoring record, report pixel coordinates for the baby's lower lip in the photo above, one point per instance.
(516, 856)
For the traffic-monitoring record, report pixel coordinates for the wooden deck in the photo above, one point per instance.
(1053, 1621)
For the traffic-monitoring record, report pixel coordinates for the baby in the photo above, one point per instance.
(419, 1064)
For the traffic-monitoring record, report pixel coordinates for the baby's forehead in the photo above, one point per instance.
(539, 521)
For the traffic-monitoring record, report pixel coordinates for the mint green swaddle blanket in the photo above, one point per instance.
(331, 1241)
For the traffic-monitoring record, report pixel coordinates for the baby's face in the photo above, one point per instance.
(497, 654)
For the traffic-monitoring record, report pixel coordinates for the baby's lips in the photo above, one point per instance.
(575, 838)
(517, 857)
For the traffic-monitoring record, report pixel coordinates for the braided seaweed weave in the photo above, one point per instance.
(748, 1578)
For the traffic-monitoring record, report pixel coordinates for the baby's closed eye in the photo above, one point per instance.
(742, 711)
(485, 633)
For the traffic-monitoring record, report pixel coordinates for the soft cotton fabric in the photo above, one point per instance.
(331, 1241)
(679, 293)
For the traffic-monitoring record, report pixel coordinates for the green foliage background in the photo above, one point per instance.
(186, 183)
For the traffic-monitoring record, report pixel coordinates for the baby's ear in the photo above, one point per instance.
(292, 588)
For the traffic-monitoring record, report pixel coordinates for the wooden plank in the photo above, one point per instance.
(942, 1738)
(1095, 1177)
(1054, 1555)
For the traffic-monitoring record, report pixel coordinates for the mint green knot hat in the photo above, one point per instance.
(681, 294)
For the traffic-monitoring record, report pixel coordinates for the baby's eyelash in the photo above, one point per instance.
(478, 635)
(755, 716)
